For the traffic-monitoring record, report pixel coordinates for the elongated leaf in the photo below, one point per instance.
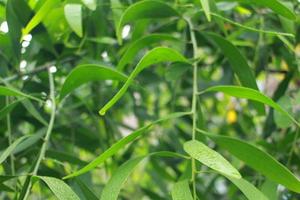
(181, 191)
(247, 93)
(40, 15)
(144, 10)
(86, 73)
(205, 7)
(258, 159)
(112, 188)
(7, 152)
(8, 91)
(73, 14)
(156, 55)
(87, 192)
(249, 190)
(280, 119)
(33, 111)
(91, 4)
(121, 144)
(277, 7)
(7, 109)
(210, 158)
(143, 42)
(59, 188)
(238, 64)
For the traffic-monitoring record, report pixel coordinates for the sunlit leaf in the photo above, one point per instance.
(258, 160)
(205, 7)
(181, 191)
(91, 4)
(87, 73)
(210, 158)
(156, 55)
(73, 14)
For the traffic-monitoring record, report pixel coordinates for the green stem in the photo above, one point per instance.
(194, 101)
(48, 133)
(8, 121)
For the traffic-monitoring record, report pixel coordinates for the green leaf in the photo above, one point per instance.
(156, 55)
(121, 144)
(144, 10)
(277, 7)
(258, 159)
(33, 111)
(40, 15)
(59, 188)
(181, 191)
(205, 7)
(238, 64)
(249, 190)
(91, 4)
(210, 158)
(86, 73)
(73, 14)
(141, 43)
(280, 119)
(7, 109)
(112, 188)
(247, 93)
(87, 192)
(9, 150)
(8, 91)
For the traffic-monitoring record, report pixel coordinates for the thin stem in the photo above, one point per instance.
(48, 133)
(9, 134)
(194, 101)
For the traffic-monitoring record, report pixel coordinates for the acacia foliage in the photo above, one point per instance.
(149, 99)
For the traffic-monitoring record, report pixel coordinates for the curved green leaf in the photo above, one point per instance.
(7, 152)
(258, 159)
(247, 93)
(122, 143)
(238, 64)
(40, 15)
(59, 188)
(8, 91)
(91, 4)
(249, 190)
(144, 10)
(86, 73)
(277, 7)
(181, 191)
(143, 42)
(156, 55)
(205, 7)
(73, 14)
(210, 158)
(87, 192)
(112, 188)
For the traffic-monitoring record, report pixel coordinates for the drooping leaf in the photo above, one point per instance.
(258, 159)
(86, 73)
(40, 15)
(144, 10)
(277, 7)
(181, 191)
(156, 55)
(210, 158)
(205, 7)
(73, 14)
(9, 150)
(59, 188)
(141, 43)
(112, 188)
(91, 4)
(238, 64)
(280, 119)
(8, 91)
(121, 144)
(247, 93)
(33, 111)
(249, 190)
